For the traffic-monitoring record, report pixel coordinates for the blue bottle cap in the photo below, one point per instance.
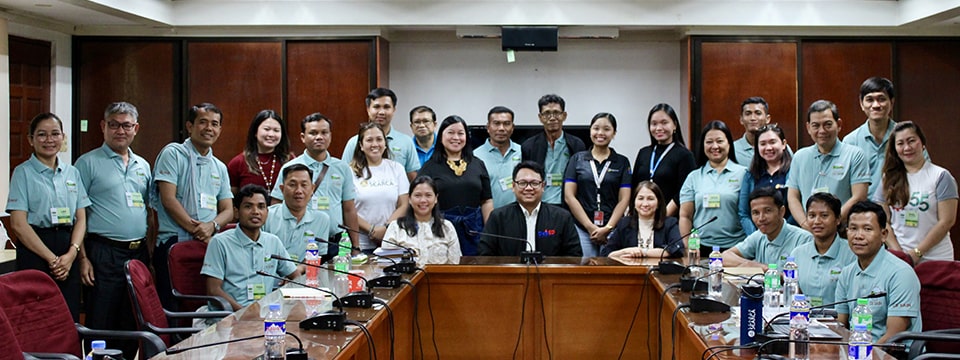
(799, 297)
(98, 345)
(791, 258)
(274, 307)
(716, 248)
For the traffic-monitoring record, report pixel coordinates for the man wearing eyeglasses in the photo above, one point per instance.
(552, 148)
(500, 154)
(116, 180)
(529, 223)
(423, 123)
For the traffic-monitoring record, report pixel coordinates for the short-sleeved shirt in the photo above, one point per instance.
(424, 154)
(777, 181)
(294, 235)
(744, 151)
(377, 196)
(715, 193)
(874, 153)
(211, 184)
(912, 222)
(836, 172)
(757, 247)
(401, 149)
(49, 196)
(819, 273)
(235, 258)
(555, 164)
(118, 193)
(886, 273)
(500, 168)
(581, 172)
(337, 187)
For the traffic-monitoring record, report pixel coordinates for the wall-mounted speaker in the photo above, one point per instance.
(529, 38)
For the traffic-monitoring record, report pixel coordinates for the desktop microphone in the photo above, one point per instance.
(330, 320)
(770, 343)
(387, 281)
(871, 295)
(406, 264)
(706, 303)
(356, 299)
(673, 267)
(526, 257)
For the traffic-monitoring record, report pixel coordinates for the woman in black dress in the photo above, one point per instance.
(667, 161)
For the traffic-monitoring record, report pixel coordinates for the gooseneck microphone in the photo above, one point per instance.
(673, 267)
(871, 295)
(406, 264)
(706, 303)
(530, 256)
(356, 299)
(330, 320)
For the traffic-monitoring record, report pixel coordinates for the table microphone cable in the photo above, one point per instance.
(418, 338)
(523, 310)
(659, 313)
(543, 315)
(370, 345)
(673, 330)
(636, 311)
(390, 322)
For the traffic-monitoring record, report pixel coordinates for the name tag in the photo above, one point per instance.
(71, 186)
(256, 291)
(208, 202)
(711, 201)
(60, 215)
(506, 184)
(554, 179)
(823, 189)
(911, 218)
(134, 199)
(323, 203)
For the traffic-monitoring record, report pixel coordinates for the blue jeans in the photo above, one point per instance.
(466, 219)
(589, 248)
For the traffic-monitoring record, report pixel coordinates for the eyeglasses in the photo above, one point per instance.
(113, 125)
(44, 136)
(422, 122)
(551, 114)
(526, 184)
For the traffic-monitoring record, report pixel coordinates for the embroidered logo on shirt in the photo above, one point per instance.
(546, 232)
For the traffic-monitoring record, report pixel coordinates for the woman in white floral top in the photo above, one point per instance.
(423, 228)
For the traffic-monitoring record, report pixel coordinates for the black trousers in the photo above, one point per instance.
(107, 302)
(162, 272)
(57, 239)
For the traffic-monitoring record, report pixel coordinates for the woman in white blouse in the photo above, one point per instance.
(423, 229)
(381, 185)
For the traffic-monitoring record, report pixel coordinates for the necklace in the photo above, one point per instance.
(458, 166)
(268, 180)
(645, 244)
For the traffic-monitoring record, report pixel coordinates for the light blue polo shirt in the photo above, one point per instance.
(118, 193)
(210, 183)
(875, 153)
(715, 194)
(757, 247)
(555, 165)
(424, 154)
(235, 258)
(337, 187)
(294, 235)
(836, 172)
(744, 151)
(500, 168)
(819, 273)
(401, 150)
(885, 273)
(40, 191)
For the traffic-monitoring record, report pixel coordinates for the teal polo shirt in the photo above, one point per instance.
(715, 193)
(555, 164)
(40, 190)
(875, 153)
(835, 172)
(500, 167)
(819, 272)
(759, 248)
(885, 273)
(211, 182)
(401, 150)
(337, 187)
(744, 151)
(235, 258)
(293, 234)
(118, 193)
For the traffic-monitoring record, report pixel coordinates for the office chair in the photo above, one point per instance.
(940, 300)
(903, 256)
(185, 261)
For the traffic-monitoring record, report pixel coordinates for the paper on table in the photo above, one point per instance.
(745, 271)
(303, 293)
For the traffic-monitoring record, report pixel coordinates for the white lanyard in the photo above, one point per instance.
(655, 165)
(598, 178)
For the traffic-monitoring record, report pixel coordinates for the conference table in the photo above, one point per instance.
(498, 308)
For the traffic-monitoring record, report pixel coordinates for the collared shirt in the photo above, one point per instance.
(583, 170)
(886, 273)
(424, 154)
(531, 219)
(118, 193)
(337, 187)
(873, 153)
(211, 184)
(41, 191)
(819, 272)
(555, 164)
(715, 194)
(759, 248)
(500, 168)
(744, 151)
(235, 258)
(777, 181)
(836, 172)
(401, 147)
(294, 235)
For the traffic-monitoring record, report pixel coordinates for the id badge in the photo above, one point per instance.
(256, 291)
(208, 202)
(816, 301)
(506, 183)
(823, 189)
(711, 201)
(911, 218)
(555, 179)
(598, 218)
(59, 215)
(134, 199)
(323, 203)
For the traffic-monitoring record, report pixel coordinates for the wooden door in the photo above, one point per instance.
(29, 91)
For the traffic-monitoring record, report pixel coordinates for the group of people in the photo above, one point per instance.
(433, 192)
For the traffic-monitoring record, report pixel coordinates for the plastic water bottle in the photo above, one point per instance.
(716, 269)
(274, 334)
(341, 281)
(799, 320)
(771, 287)
(693, 253)
(861, 344)
(312, 257)
(791, 285)
(94, 347)
(862, 315)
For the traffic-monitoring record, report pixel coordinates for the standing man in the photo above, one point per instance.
(552, 148)
(117, 182)
(826, 166)
(334, 192)
(423, 123)
(293, 221)
(193, 191)
(774, 239)
(754, 114)
(381, 105)
(500, 154)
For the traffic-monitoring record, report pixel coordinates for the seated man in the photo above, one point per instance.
(774, 239)
(234, 256)
(822, 261)
(546, 228)
(877, 270)
(292, 220)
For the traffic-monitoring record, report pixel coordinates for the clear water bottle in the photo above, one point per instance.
(799, 320)
(274, 334)
(791, 285)
(693, 253)
(341, 281)
(312, 259)
(771, 287)
(862, 315)
(861, 343)
(95, 346)
(716, 271)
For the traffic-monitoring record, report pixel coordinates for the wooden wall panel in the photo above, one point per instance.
(143, 73)
(733, 71)
(241, 78)
(333, 78)
(834, 71)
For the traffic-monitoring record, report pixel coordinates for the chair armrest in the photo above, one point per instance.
(43, 356)
(173, 330)
(150, 344)
(224, 304)
(197, 315)
(920, 339)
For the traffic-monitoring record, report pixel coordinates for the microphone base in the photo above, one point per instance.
(778, 347)
(296, 354)
(356, 299)
(403, 267)
(531, 257)
(331, 320)
(669, 267)
(707, 304)
(387, 281)
(692, 284)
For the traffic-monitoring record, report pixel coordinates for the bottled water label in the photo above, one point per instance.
(789, 274)
(274, 328)
(865, 319)
(859, 351)
(341, 266)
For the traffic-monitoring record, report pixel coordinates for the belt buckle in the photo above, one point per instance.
(134, 245)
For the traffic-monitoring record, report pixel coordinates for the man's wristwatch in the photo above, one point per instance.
(216, 227)
(918, 253)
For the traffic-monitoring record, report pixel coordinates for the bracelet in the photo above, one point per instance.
(75, 246)
(918, 253)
